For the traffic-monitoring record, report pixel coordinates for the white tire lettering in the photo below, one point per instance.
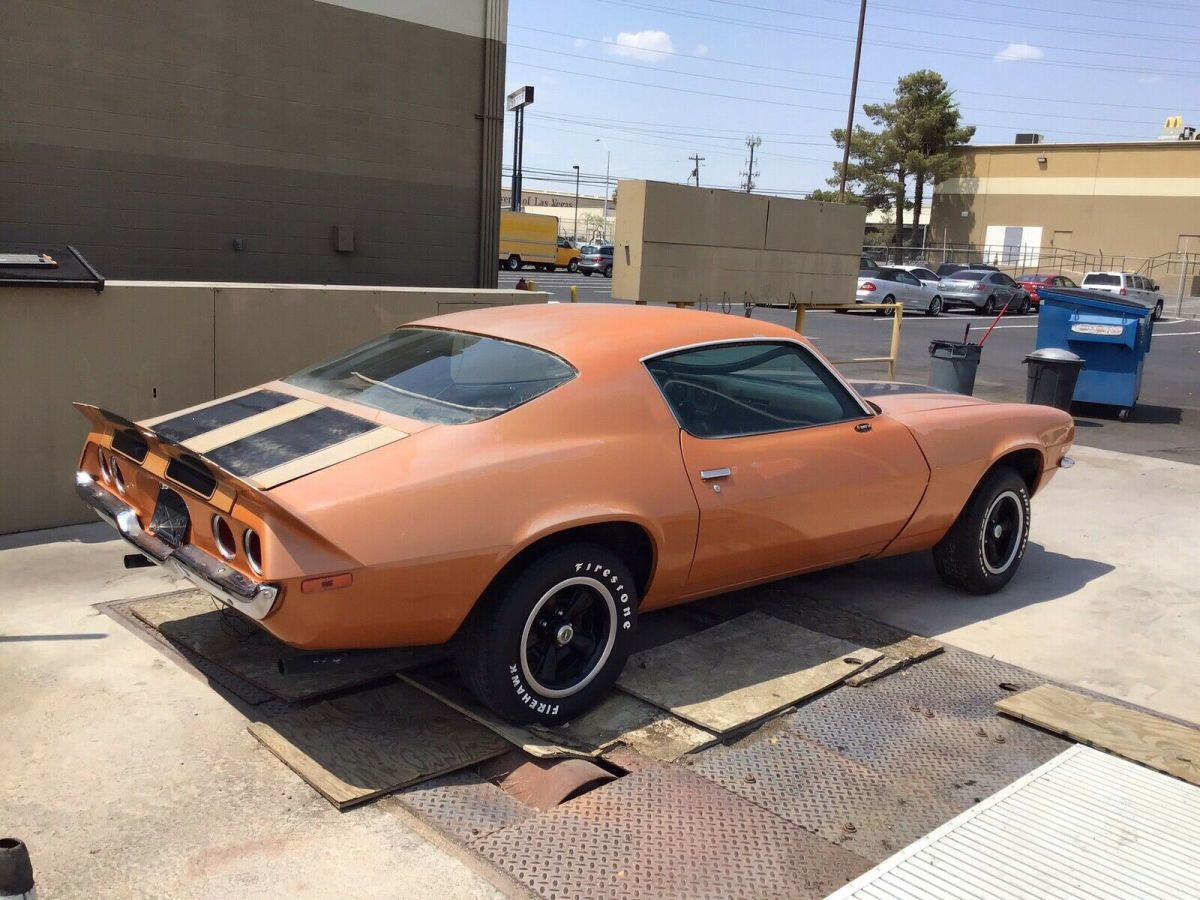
(626, 625)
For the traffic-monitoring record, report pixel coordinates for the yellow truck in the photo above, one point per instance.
(529, 239)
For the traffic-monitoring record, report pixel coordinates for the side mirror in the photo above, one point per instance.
(1154, 287)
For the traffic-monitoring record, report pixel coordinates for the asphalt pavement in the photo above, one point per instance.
(1165, 423)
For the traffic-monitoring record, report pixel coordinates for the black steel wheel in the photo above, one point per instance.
(550, 645)
(984, 547)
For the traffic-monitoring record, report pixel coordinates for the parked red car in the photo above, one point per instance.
(1031, 283)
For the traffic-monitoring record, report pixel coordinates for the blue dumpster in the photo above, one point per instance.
(1112, 336)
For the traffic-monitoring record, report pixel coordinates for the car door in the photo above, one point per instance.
(914, 293)
(1007, 289)
(790, 470)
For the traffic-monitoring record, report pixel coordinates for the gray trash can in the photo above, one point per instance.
(952, 366)
(1052, 376)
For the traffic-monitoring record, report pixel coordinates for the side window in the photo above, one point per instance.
(751, 388)
(908, 279)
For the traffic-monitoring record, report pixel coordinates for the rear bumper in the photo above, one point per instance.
(208, 573)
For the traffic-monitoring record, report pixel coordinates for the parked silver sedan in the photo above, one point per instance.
(890, 285)
(983, 291)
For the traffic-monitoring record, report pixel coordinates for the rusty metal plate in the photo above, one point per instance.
(664, 832)
(463, 805)
(543, 783)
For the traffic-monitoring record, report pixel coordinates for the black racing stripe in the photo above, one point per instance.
(289, 441)
(182, 428)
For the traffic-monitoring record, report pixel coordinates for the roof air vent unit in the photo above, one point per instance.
(1028, 137)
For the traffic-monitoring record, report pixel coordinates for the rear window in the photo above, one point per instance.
(968, 275)
(1102, 278)
(1034, 279)
(438, 376)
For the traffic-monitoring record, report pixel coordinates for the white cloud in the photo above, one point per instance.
(654, 46)
(580, 42)
(702, 49)
(1019, 53)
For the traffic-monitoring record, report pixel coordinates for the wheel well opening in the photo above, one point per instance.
(1027, 463)
(627, 540)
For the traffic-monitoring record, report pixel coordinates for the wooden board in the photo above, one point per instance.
(900, 648)
(376, 741)
(194, 620)
(620, 719)
(1155, 742)
(740, 671)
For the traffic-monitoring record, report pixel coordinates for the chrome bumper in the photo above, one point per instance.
(206, 572)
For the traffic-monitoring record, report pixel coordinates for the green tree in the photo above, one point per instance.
(877, 169)
(832, 197)
(928, 126)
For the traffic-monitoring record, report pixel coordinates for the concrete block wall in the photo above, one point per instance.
(143, 349)
(675, 242)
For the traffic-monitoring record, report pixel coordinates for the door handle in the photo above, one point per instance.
(863, 426)
(709, 474)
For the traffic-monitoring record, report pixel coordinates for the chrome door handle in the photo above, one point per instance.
(709, 474)
(863, 426)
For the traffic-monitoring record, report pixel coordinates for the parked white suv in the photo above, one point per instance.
(1138, 288)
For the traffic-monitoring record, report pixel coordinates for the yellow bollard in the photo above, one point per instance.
(574, 293)
(894, 351)
(532, 285)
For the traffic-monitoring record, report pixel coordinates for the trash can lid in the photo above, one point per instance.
(1055, 354)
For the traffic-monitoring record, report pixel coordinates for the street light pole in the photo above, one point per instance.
(862, 18)
(575, 227)
(607, 169)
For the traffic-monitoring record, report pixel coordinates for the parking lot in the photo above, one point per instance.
(1166, 422)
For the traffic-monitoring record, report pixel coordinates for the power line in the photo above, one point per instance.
(1043, 11)
(841, 77)
(777, 28)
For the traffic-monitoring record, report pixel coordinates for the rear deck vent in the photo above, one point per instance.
(193, 474)
(129, 443)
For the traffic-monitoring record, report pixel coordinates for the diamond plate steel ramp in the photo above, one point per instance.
(462, 805)
(664, 832)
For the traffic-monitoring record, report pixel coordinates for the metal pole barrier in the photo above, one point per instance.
(800, 319)
(574, 294)
(1182, 282)
(895, 351)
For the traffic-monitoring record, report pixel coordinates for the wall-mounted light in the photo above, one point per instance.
(1041, 159)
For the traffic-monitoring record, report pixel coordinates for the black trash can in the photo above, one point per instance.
(1052, 376)
(952, 366)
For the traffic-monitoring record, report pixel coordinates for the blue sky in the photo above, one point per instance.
(659, 80)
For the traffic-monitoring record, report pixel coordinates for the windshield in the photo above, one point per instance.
(437, 376)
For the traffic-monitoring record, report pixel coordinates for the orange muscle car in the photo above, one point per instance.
(528, 480)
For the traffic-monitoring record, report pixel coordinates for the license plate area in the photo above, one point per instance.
(170, 521)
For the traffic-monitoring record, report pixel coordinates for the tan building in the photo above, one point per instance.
(1132, 206)
(561, 204)
(326, 141)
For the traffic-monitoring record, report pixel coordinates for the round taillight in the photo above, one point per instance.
(118, 476)
(252, 544)
(223, 535)
(102, 458)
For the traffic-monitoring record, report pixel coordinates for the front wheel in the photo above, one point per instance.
(935, 307)
(1023, 308)
(1158, 310)
(573, 266)
(992, 306)
(984, 547)
(550, 645)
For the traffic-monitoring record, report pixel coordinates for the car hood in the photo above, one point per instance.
(898, 398)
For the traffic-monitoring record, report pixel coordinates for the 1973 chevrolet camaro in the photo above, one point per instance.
(528, 480)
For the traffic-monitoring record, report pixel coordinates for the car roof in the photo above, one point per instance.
(1107, 273)
(596, 334)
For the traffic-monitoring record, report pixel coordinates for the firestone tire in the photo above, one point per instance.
(550, 645)
(984, 547)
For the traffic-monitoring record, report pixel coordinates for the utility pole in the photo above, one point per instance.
(697, 159)
(517, 101)
(575, 227)
(753, 141)
(607, 169)
(862, 18)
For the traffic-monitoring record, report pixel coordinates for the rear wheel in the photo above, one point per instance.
(984, 547)
(608, 271)
(992, 306)
(890, 311)
(550, 645)
(935, 307)
(514, 263)
(1158, 311)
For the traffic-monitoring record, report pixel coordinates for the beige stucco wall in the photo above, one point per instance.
(1134, 200)
(675, 242)
(142, 349)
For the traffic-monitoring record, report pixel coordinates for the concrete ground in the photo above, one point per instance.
(129, 777)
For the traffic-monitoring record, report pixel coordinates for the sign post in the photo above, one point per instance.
(517, 101)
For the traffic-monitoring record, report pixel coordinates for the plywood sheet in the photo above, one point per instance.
(195, 621)
(899, 648)
(1152, 741)
(360, 746)
(740, 671)
(620, 719)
